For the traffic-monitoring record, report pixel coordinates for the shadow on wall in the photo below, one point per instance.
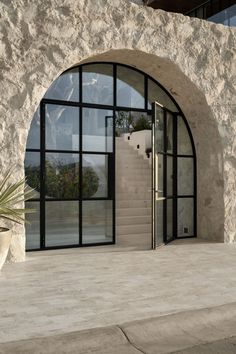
(204, 128)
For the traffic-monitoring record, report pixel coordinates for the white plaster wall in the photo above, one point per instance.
(193, 59)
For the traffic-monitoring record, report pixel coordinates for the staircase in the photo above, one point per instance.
(133, 197)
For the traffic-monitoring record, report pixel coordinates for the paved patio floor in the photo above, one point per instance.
(64, 291)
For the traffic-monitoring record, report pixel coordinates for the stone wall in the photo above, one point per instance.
(195, 60)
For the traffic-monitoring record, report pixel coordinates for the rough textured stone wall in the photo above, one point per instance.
(195, 60)
(139, 2)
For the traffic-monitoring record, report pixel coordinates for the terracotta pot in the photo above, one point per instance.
(5, 240)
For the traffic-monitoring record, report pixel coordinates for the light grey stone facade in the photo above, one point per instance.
(195, 60)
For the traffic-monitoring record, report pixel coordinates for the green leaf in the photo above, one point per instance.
(11, 195)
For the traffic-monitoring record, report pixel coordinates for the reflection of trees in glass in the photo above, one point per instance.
(65, 87)
(127, 122)
(124, 122)
(142, 123)
(53, 116)
(32, 177)
(62, 181)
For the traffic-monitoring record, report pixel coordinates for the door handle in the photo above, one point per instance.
(159, 199)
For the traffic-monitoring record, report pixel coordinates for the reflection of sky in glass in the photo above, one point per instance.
(97, 130)
(98, 84)
(33, 141)
(65, 87)
(62, 127)
(32, 159)
(130, 88)
(226, 17)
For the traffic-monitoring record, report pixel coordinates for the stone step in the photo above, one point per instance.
(133, 220)
(134, 191)
(141, 195)
(133, 229)
(138, 241)
(133, 162)
(133, 212)
(128, 152)
(122, 181)
(136, 180)
(133, 168)
(136, 174)
(133, 203)
(144, 174)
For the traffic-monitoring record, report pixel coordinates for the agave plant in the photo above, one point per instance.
(11, 195)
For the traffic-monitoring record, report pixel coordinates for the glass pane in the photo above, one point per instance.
(183, 140)
(98, 84)
(226, 17)
(169, 133)
(159, 223)
(97, 221)
(65, 87)
(62, 127)
(169, 213)
(130, 88)
(131, 122)
(33, 229)
(33, 140)
(62, 176)
(97, 130)
(185, 176)
(169, 182)
(32, 171)
(157, 94)
(159, 174)
(159, 129)
(185, 217)
(95, 176)
(62, 223)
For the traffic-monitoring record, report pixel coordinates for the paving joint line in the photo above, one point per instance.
(205, 344)
(129, 341)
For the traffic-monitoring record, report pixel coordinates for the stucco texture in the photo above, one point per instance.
(195, 60)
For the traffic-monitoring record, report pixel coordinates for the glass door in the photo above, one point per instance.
(174, 177)
(158, 198)
(163, 176)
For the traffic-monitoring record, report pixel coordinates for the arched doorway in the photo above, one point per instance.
(70, 155)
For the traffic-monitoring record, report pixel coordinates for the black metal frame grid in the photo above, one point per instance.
(174, 196)
(111, 178)
(209, 8)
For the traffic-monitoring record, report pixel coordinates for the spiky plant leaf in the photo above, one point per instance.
(12, 195)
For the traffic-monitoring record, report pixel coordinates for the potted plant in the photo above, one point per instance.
(11, 195)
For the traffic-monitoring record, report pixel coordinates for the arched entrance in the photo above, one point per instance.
(70, 156)
(174, 54)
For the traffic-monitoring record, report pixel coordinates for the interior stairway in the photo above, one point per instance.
(133, 197)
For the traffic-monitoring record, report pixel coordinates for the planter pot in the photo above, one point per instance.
(5, 240)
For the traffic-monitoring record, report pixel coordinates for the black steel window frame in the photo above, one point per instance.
(175, 196)
(209, 8)
(114, 108)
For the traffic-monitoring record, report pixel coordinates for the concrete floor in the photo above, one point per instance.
(64, 291)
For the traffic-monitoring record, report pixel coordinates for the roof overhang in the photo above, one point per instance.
(181, 6)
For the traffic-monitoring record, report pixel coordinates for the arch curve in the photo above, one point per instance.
(168, 47)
